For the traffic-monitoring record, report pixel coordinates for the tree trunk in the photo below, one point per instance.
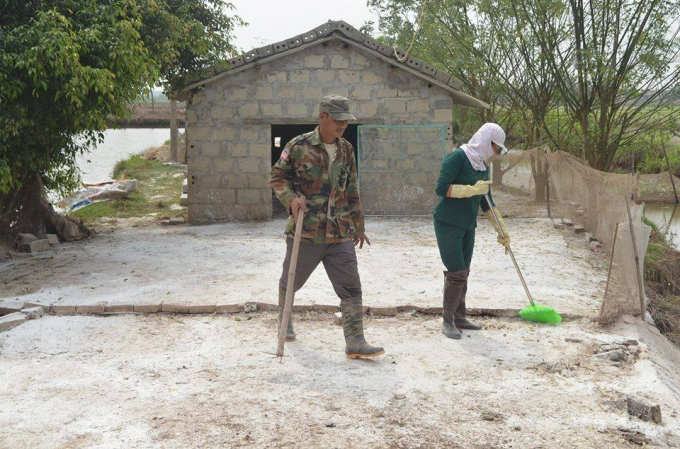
(539, 171)
(27, 211)
(496, 172)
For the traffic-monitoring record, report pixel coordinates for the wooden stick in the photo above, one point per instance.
(609, 274)
(670, 172)
(637, 263)
(290, 288)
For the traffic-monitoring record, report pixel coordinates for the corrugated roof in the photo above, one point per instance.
(345, 32)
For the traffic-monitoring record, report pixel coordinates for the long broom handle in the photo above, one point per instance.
(512, 256)
(290, 287)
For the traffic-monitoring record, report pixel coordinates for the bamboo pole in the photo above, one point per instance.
(290, 288)
(670, 172)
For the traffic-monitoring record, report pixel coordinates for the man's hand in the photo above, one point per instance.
(296, 205)
(359, 239)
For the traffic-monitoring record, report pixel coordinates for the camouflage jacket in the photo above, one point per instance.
(335, 213)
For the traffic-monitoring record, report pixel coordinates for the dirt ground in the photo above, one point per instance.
(165, 381)
(238, 263)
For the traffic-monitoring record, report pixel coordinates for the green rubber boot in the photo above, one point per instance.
(290, 333)
(454, 284)
(353, 327)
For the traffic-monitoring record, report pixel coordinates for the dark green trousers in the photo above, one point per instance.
(455, 245)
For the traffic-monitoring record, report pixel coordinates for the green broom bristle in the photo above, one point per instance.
(540, 314)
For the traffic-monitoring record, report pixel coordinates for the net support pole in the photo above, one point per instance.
(670, 172)
(641, 292)
(609, 274)
(547, 188)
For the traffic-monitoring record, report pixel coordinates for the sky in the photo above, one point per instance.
(272, 21)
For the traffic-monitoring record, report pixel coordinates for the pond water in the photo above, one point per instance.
(118, 144)
(667, 218)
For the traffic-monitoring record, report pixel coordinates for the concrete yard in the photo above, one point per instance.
(238, 263)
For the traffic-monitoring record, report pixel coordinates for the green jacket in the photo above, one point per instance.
(460, 212)
(335, 214)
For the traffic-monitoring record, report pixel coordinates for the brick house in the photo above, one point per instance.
(239, 120)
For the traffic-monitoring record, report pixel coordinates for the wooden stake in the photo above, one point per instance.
(641, 292)
(290, 289)
(609, 274)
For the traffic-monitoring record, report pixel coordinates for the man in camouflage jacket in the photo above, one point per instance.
(317, 174)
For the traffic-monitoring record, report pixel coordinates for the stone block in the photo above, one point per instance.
(276, 77)
(567, 222)
(191, 116)
(595, 246)
(395, 106)
(325, 76)
(248, 196)
(249, 165)
(368, 109)
(249, 110)
(314, 61)
(558, 225)
(249, 133)
(229, 308)
(419, 105)
(147, 308)
(237, 149)
(7, 322)
(91, 309)
(349, 76)
(63, 309)
(299, 76)
(235, 94)
(175, 307)
(302, 308)
(235, 181)
(443, 115)
(339, 61)
(312, 93)
(30, 305)
(361, 93)
(53, 239)
(210, 149)
(226, 133)
(361, 60)
(385, 92)
(271, 110)
(221, 112)
(202, 308)
(299, 109)
(33, 312)
(7, 307)
(383, 311)
(200, 164)
(264, 93)
(579, 229)
(120, 308)
(325, 308)
(196, 133)
(267, 307)
(258, 181)
(373, 78)
(644, 410)
(34, 246)
(287, 92)
(260, 211)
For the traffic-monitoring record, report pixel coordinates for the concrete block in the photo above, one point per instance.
(299, 76)
(271, 110)
(248, 196)
(175, 307)
(222, 134)
(120, 308)
(250, 307)
(258, 181)
(567, 222)
(336, 90)
(185, 186)
(183, 199)
(325, 308)
(644, 410)
(428, 70)
(265, 51)
(431, 310)
(91, 309)
(196, 133)
(64, 309)
(229, 308)
(53, 239)
(280, 46)
(264, 93)
(395, 106)
(595, 246)
(419, 105)
(314, 61)
(202, 308)
(7, 307)
(299, 109)
(236, 149)
(221, 112)
(414, 63)
(7, 322)
(337, 319)
(579, 229)
(276, 77)
(385, 92)
(339, 61)
(350, 76)
(295, 41)
(33, 312)
(361, 93)
(236, 61)
(147, 308)
(371, 43)
(267, 307)
(325, 76)
(249, 110)
(287, 92)
(455, 83)
(558, 225)
(361, 60)
(30, 305)
(34, 246)
(302, 308)
(312, 93)
(383, 311)
(443, 115)
(248, 165)
(367, 109)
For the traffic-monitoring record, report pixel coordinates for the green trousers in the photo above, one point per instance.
(455, 245)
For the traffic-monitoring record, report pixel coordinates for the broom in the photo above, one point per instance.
(533, 312)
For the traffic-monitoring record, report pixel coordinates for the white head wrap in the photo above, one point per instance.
(478, 149)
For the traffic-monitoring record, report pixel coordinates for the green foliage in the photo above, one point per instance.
(67, 66)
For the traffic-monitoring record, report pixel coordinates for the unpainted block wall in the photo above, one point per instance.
(229, 122)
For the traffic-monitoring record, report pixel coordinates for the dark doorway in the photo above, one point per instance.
(281, 135)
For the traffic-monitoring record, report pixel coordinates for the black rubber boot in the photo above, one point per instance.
(454, 283)
(290, 334)
(353, 327)
(459, 318)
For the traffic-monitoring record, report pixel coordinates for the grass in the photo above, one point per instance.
(662, 282)
(159, 188)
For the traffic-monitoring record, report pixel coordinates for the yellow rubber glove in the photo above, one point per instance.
(465, 191)
(498, 226)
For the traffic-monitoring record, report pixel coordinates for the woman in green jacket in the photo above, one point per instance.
(462, 184)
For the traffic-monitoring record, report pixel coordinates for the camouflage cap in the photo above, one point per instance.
(337, 106)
